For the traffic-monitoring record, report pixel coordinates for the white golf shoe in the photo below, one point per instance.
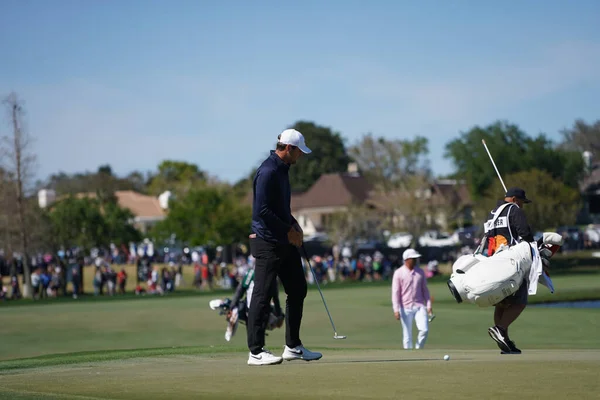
(300, 353)
(264, 358)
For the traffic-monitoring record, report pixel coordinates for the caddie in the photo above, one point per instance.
(505, 227)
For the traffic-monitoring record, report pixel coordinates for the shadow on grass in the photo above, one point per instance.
(379, 361)
(83, 357)
(109, 355)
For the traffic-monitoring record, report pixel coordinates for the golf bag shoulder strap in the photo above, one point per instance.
(489, 224)
(248, 278)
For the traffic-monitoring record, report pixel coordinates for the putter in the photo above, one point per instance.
(335, 334)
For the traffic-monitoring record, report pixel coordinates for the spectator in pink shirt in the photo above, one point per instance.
(410, 299)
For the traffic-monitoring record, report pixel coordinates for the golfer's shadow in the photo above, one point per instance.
(377, 361)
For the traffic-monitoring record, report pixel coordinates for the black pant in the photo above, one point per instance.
(273, 260)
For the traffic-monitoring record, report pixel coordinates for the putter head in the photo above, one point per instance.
(336, 336)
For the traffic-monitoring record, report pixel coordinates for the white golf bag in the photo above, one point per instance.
(486, 281)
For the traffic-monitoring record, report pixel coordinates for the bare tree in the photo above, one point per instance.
(6, 223)
(452, 203)
(399, 172)
(583, 137)
(18, 162)
(7, 214)
(356, 220)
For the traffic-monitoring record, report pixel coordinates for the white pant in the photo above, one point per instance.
(419, 315)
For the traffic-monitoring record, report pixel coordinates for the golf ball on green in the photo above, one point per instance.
(446, 357)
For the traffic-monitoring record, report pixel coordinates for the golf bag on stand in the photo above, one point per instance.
(486, 281)
(240, 314)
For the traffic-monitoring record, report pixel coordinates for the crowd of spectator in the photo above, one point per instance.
(365, 268)
(62, 274)
(162, 272)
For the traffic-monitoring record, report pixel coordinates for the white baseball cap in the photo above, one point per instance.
(294, 138)
(410, 253)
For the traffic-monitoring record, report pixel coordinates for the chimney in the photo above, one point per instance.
(46, 197)
(353, 168)
(587, 160)
(164, 198)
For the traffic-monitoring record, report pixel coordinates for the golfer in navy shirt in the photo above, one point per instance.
(274, 242)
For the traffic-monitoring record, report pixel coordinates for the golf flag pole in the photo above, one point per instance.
(494, 164)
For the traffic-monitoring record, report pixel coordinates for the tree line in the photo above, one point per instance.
(205, 210)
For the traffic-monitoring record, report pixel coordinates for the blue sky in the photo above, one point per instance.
(131, 83)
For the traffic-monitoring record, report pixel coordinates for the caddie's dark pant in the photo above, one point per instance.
(273, 260)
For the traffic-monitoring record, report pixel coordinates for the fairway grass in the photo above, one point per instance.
(173, 348)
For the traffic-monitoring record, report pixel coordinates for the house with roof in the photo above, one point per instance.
(454, 199)
(330, 194)
(147, 210)
(335, 192)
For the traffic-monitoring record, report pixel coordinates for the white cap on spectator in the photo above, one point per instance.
(410, 253)
(294, 138)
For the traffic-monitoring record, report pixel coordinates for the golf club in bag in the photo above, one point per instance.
(335, 334)
(501, 181)
(494, 164)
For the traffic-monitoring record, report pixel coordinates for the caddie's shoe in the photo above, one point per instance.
(513, 348)
(264, 358)
(500, 337)
(300, 353)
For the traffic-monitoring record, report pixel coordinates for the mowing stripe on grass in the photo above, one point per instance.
(98, 356)
(8, 366)
(26, 394)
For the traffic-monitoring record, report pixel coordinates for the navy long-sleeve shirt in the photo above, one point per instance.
(271, 211)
